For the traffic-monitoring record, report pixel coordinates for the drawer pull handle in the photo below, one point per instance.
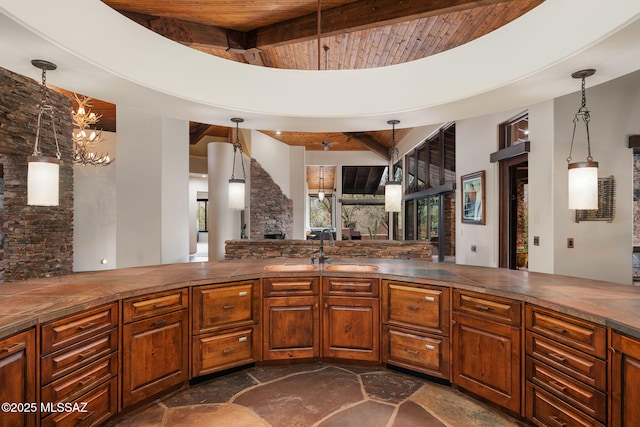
(86, 326)
(557, 357)
(228, 306)
(16, 347)
(429, 299)
(557, 329)
(350, 289)
(87, 353)
(558, 421)
(482, 307)
(162, 304)
(430, 347)
(242, 294)
(158, 323)
(228, 350)
(557, 385)
(86, 381)
(242, 339)
(414, 352)
(413, 307)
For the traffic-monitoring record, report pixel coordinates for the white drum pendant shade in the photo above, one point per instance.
(42, 181)
(236, 194)
(583, 185)
(393, 196)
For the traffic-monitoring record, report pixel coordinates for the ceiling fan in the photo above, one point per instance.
(327, 144)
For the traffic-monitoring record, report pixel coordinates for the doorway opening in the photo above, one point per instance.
(514, 215)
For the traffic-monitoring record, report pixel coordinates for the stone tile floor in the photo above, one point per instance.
(316, 394)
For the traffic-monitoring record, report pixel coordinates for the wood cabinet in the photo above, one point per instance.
(351, 319)
(291, 318)
(625, 380)
(415, 331)
(225, 326)
(155, 344)
(566, 372)
(486, 347)
(18, 378)
(79, 364)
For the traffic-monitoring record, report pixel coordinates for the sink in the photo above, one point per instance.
(351, 267)
(291, 267)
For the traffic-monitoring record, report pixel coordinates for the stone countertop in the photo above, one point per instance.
(26, 303)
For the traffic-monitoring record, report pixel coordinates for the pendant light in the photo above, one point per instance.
(43, 173)
(321, 184)
(236, 186)
(583, 176)
(393, 188)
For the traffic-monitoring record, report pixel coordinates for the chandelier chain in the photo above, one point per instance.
(45, 107)
(584, 113)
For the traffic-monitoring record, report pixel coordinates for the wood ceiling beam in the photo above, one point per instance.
(200, 130)
(370, 143)
(358, 16)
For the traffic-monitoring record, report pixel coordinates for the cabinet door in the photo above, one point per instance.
(351, 328)
(17, 377)
(155, 356)
(486, 359)
(291, 328)
(625, 381)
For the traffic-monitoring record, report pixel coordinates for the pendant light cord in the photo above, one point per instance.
(586, 117)
(45, 107)
(237, 147)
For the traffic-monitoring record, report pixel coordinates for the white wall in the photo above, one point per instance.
(94, 216)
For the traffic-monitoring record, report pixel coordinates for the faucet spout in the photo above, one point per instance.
(321, 256)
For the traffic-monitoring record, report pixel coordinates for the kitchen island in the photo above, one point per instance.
(543, 347)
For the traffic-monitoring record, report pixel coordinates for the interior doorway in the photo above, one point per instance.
(514, 213)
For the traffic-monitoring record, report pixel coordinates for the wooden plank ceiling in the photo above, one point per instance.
(353, 34)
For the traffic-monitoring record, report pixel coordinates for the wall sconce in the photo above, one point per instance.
(236, 186)
(583, 176)
(393, 188)
(43, 173)
(321, 184)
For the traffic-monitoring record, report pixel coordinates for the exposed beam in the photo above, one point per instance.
(370, 143)
(200, 130)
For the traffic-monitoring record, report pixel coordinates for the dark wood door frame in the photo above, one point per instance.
(505, 258)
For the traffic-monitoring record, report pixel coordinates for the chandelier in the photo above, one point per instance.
(393, 188)
(236, 185)
(87, 138)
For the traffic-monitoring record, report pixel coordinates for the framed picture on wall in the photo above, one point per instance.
(472, 186)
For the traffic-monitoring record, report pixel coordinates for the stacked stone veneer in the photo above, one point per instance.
(36, 241)
(386, 249)
(271, 210)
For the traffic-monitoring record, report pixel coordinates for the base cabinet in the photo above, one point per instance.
(18, 378)
(486, 347)
(155, 348)
(291, 328)
(625, 381)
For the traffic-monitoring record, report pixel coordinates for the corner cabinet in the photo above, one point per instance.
(226, 330)
(18, 378)
(351, 318)
(291, 318)
(486, 347)
(415, 334)
(155, 344)
(625, 380)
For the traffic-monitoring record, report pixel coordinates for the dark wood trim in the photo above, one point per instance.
(634, 141)
(509, 152)
(444, 188)
(504, 208)
(370, 143)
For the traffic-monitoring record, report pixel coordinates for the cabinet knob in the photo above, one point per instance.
(612, 350)
(430, 347)
(429, 299)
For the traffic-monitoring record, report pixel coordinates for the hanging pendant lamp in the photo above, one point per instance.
(393, 188)
(321, 184)
(43, 172)
(583, 176)
(237, 185)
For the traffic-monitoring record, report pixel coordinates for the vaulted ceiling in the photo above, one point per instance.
(319, 34)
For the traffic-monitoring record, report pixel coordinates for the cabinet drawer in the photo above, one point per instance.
(576, 333)
(81, 381)
(63, 332)
(423, 307)
(214, 353)
(151, 305)
(492, 308)
(581, 366)
(58, 364)
(101, 404)
(546, 410)
(217, 307)
(290, 286)
(350, 286)
(428, 354)
(589, 400)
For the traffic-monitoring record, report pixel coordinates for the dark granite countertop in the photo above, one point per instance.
(27, 303)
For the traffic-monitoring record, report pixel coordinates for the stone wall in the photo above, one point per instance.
(271, 210)
(386, 249)
(36, 241)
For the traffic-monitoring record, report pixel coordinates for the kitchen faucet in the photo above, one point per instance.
(321, 256)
